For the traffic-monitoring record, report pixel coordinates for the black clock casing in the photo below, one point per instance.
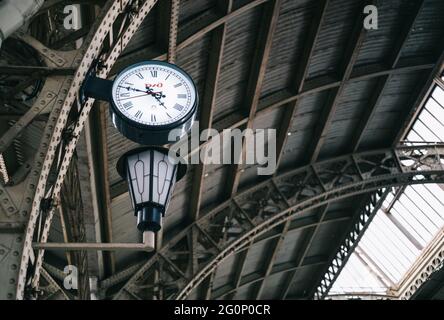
(133, 130)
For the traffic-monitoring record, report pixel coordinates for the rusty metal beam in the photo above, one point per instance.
(255, 80)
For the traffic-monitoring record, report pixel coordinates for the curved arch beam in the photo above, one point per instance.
(196, 251)
(83, 60)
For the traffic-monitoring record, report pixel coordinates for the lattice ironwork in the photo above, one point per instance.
(59, 95)
(347, 247)
(197, 250)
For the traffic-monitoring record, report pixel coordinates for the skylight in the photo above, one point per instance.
(404, 226)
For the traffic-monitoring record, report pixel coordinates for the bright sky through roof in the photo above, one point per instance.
(400, 230)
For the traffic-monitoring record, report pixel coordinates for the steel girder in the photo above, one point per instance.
(350, 242)
(431, 260)
(60, 137)
(193, 255)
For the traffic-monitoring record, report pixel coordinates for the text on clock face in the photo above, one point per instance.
(154, 85)
(154, 95)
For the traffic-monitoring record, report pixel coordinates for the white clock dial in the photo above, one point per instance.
(154, 94)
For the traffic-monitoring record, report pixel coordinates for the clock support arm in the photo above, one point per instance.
(97, 88)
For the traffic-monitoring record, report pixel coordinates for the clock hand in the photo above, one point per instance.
(150, 91)
(142, 95)
(156, 96)
(159, 93)
(133, 89)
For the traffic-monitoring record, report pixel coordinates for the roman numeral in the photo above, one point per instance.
(178, 107)
(139, 75)
(177, 85)
(153, 118)
(168, 76)
(128, 105)
(129, 83)
(168, 115)
(138, 114)
(124, 94)
(181, 96)
(154, 73)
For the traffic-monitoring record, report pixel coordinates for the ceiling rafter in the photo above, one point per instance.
(272, 258)
(419, 101)
(240, 265)
(279, 269)
(367, 208)
(167, 28)
(154, 54)
(245, 122)
(275, 249)
(254, 85)
(100, 114)
(208, 286)
(281, 98)
(208, 104)
(302, 255)
(301, 75)
(240, 280)
(376, 97)
(35, 70)
(345, 70)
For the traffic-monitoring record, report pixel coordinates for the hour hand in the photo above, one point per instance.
(156, 95)
(133, 89)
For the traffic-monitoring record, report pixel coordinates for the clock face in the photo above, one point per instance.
(155, 94)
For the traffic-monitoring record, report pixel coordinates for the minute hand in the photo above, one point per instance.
(141, 95)
(156, 96)
(149, 92)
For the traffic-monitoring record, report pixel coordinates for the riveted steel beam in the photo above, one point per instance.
(235, 224)
(82, 60)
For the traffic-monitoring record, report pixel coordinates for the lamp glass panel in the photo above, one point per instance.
(163, 171)
(139, 170)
